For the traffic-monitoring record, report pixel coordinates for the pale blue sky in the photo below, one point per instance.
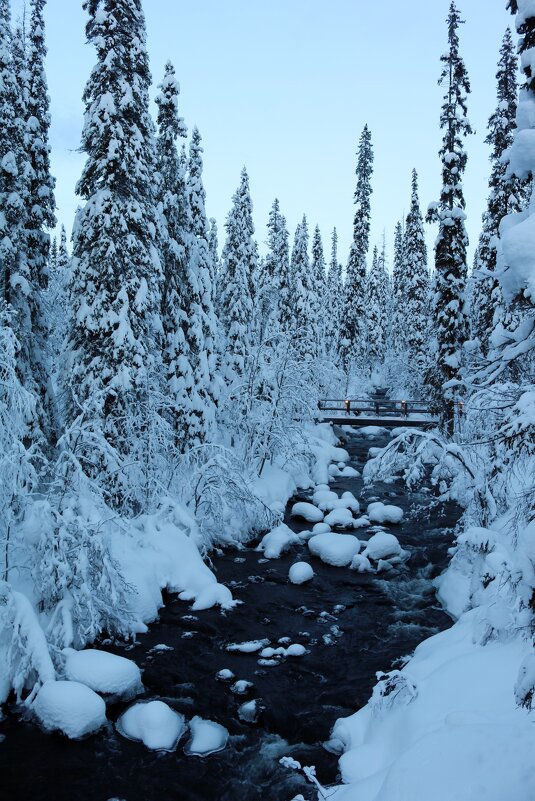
(285, 87)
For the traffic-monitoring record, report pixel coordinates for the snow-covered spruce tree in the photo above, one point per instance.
(57, 307)
(213, 241)
(181, 290)
(507, 195)
(116, 271)
(376, 313)
(352, 330)
(319, 276)
(417, 319)
(399, 330)
(40, 210)
(202, 270)
(334, 299)
(449, 314)
(239, 265)
(274, 276)
(305, 298)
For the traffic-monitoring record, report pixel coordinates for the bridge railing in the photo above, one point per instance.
(377, 406)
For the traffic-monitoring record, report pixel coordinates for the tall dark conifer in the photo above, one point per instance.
(116, 275)
(507, 195)
(352, 344)
(452, 241)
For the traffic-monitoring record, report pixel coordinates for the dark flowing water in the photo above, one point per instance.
(352, 625)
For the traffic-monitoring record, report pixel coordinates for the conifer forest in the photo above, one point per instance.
(267, 496)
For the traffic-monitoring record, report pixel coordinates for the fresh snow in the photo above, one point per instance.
(207, 737)
(307, 511)
(334, 549)
(277, 541)
(154, 724)
(69, 707)
(103, 672)
(380, 513)
(300, 572)
(382, 546)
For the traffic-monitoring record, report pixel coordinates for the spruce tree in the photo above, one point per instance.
(376, 298)
(399, 290)
(450, 248)
(239, 265)
(416, 290)
(274, 276)
(352, 345)
(507, 195)
(333, 306)
(116, 275)
(305, 299)
(202, 271)
(181, 290)
(319, 277)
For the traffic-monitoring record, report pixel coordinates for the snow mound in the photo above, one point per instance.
(321, 528)
(307, 511)
(213, 595)
(361, 564)
(382, 546)
(70, 707)
(342, 472)
(241, 686)
(300, 572)
(380, 513)
(207, 737)
(320, 496)
(103, 672)
(295, 649)
(248, 647)
(277, 541)
(249, 711)
(342, 518)
(334, 549)
(224, 675)
(154, 724)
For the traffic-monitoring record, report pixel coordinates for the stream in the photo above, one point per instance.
(351, 624)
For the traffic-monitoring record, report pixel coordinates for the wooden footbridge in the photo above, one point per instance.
(377, 411)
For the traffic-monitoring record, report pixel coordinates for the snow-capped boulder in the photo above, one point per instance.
(334, 549)
(380, 513)
(321, 496)
(277, 541)
(307, 511)
(361, 563)
(212, 595)
(154, 724)
(320, 528)
(300, 572)
(103, 672)
(382, 546)
(207, 737)
(341, 518)
(69, 707)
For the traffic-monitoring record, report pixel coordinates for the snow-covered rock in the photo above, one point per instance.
(341, 518)
(307, 511)
(248, 711)
(207, 737)
(103, 672)
(69, 707)
(248, 647)
(300, 572)
(382, 546)
(320, 496)
(342, 472)
(320, 528)
(334, 549)
(224, 675)
(154, 724)
(277, 541)
(384, 513)
(214, 595)
(241, 686)
(361, 563)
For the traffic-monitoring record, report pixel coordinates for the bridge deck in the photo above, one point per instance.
(383, 422)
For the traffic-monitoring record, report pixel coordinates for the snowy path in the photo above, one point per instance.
(350, 624)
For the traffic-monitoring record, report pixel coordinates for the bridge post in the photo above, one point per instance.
(404, 408)
(347, 404)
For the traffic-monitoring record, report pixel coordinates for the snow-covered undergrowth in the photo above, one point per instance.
(456, 721)
(77, 569)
